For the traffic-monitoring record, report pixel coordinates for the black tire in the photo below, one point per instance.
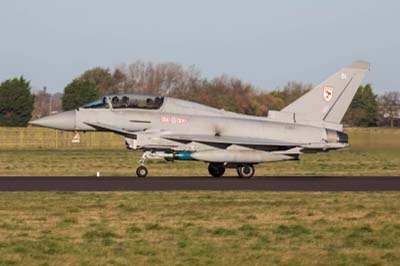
(141, 171)
(216, 169)
(246, 171)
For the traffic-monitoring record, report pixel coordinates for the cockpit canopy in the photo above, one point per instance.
(127, 101)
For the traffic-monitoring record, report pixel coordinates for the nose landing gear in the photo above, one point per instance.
(142, 171)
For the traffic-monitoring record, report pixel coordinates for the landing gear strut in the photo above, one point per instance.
(216, 169)
(142, 171)
(245, 171)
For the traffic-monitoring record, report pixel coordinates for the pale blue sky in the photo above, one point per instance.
(267, 43)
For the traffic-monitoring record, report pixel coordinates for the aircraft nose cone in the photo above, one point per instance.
(63, 121)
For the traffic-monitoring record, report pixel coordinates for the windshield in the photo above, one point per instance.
(100, 103)
(128, 101)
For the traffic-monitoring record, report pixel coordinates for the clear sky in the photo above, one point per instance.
(267, 43)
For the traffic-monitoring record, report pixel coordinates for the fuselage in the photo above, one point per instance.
(181, 117)
(220, 125)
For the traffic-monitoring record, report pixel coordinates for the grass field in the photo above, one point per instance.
(199, 228)
(373, 152)
(195, 228)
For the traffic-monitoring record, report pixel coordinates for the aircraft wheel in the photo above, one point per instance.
(142, 171)
(216, 169)
(246, 171)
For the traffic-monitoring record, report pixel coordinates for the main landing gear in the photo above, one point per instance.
(243, 170)
(216, 169)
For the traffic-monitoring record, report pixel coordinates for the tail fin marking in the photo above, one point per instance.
(329, 100)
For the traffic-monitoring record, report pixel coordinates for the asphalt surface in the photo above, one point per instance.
(281, 183)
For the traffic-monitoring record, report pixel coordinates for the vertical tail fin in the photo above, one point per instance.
(329, 100)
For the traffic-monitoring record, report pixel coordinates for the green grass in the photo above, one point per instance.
(373, 152)
(123, 163)
(199, 228)
(195, 228)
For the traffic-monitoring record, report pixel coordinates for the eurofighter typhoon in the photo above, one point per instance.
(173, 129)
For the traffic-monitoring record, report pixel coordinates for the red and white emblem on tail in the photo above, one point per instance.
(328, 93)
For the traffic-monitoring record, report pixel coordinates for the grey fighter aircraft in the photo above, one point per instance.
(173, 129)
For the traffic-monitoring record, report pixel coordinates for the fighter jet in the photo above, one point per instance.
(174, 129)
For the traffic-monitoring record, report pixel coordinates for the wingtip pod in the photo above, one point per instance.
(360, 64)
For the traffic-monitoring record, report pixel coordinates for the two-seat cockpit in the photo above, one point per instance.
(127, 101)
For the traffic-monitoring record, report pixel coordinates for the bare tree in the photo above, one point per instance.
(163, 78)
(292, 91)
(55, 102)
(42, 105)
(171, 79)
(389, 105)
(46, 103)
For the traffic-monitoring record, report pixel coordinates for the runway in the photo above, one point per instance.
(281, 183)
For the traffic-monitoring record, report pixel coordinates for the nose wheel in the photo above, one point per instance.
(142, 171)
(245, 171)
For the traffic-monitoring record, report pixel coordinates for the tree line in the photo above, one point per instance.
(18, 105)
